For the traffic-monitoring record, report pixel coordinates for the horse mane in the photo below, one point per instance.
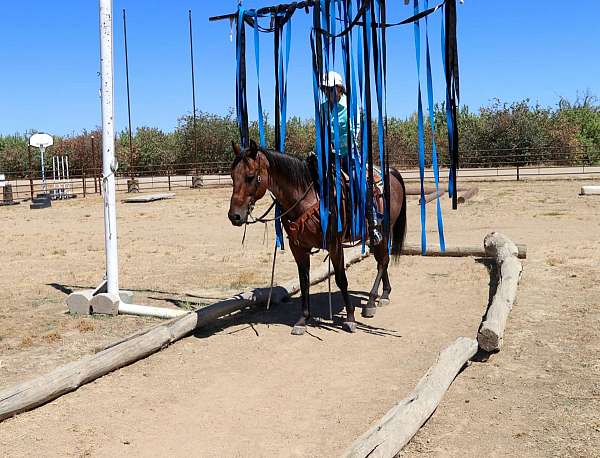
(294, 169)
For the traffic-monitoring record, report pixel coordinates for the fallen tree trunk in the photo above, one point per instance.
(455, 250)
(392, 432)
(432, 196)
(465, 195)
(412, 190)
(590, 191)
(69, 377)
(491, 332)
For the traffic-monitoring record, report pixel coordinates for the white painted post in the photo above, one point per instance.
(68, 178)
(61, 176)
(108, 147)
(54, 191)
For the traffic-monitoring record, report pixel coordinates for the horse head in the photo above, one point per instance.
(249, 175)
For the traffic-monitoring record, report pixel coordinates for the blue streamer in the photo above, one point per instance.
(261, 121)
(417, 32)
(241, 105)
(449, 122)
(323, 211)
(434, 155)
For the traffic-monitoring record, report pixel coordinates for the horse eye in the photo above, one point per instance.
(249, 179)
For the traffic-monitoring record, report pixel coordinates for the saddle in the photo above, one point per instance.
(305, 231)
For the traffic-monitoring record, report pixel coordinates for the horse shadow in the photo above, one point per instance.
(287, 312)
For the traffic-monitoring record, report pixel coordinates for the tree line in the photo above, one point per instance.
(497, 134)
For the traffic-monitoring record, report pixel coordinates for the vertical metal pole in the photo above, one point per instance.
(128, 98)
(108, 147)
(68, 177)
(30, 170)
(94, 165)
(54, 175)
(83, 179)
(193, 93)
(44, 188)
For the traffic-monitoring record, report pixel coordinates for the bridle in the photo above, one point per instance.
(262, 218)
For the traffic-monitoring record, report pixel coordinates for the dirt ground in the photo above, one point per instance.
(247, 388)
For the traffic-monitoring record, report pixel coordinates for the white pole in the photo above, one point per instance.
(54, 175)
(61, 176)
(69, 184)
(108, 147)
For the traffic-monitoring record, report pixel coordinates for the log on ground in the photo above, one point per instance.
(465, 195)
(432, 196)
(67, 378)
(392, 432)
(456, 250)
(491, 332)
(590, 191)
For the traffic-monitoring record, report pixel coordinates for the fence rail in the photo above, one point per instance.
(482, 164)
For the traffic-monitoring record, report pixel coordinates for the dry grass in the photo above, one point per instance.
(26, 342)
(85, 326)
(52, 337)
(245, 279)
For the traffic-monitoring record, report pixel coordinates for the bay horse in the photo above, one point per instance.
(256, 170)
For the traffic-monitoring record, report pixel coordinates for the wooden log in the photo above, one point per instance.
(65, 379)
(412, 190)
(105, 304)
(392, 432)
(78, 302)
(432, 196)
(466, 195)
(414, 249)
(491, 332)
(590, 191)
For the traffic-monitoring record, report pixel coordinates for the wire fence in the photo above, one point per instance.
(517, 164)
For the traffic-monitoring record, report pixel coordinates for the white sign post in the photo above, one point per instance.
(109, 164)
(42, 141)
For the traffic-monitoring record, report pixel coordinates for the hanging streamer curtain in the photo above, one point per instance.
(356, 30)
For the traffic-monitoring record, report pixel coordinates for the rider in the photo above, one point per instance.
(332, 85)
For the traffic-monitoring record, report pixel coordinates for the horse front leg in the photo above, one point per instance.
(302, 258)
(336, 253)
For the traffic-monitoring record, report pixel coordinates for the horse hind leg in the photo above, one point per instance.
(387, 289)
(382, 258)
(337, 259)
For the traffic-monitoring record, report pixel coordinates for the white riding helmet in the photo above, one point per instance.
(332, 79)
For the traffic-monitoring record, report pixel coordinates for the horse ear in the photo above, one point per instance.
(236, 148)
(253, 149)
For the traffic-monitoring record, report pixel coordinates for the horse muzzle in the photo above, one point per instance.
(236, 218)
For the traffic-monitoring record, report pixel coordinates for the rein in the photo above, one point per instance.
(261, 218)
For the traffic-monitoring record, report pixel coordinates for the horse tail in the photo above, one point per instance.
(399, 228)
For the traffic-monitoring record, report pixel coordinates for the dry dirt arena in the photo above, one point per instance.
(246, 387)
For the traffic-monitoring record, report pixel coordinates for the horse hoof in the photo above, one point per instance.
(298, 330)
(383, 302)
(349, 326)
(368, 312)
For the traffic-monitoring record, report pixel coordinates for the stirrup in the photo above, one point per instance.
(377, 237)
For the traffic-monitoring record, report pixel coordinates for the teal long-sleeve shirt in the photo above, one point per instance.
(342, 114)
